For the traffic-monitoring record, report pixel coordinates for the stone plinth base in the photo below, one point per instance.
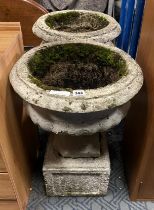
(76, 177)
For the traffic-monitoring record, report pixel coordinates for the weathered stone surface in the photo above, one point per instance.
(107, 34)
(77, 146)
(104, 107)
(80, 176)
(77, 123)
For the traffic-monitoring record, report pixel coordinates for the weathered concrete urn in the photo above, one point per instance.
(77, 24)
(76, 89)
(60, 109)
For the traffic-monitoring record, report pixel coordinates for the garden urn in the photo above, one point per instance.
(70, 25)
(76, 89)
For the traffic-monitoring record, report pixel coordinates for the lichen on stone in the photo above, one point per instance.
(67, 109)
(83, 107)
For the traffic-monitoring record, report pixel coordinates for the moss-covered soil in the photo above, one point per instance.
(76, 66)
(76, 22)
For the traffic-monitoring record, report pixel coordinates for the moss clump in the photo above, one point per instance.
(46, 87)
(61, 19)
(76, 22)
(75, 66)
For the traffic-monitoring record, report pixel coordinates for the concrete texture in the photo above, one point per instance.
(77, 123)
(107, 34)
(80, 176)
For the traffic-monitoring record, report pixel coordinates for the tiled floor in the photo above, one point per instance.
(116, 198)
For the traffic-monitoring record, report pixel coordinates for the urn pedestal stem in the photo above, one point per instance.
(77, 146)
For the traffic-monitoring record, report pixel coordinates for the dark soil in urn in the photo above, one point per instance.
(79, 76)
(76, 66)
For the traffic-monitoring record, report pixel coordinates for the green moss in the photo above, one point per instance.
(122, 73)
(46, 87)
(73, 22)
(61, 19)
(40, 63)
(42, 60)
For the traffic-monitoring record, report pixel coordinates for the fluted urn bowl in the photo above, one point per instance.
(76, 87)
(79, 24)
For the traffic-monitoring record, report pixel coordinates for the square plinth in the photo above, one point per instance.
(76, 177)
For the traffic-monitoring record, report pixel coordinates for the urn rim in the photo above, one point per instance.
(99, 99)
(108, 33)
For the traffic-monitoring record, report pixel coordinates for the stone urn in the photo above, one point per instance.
(76, 90)
(68, 25)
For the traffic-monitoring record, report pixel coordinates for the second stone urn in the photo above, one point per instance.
(76, 90)
(77, 24)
